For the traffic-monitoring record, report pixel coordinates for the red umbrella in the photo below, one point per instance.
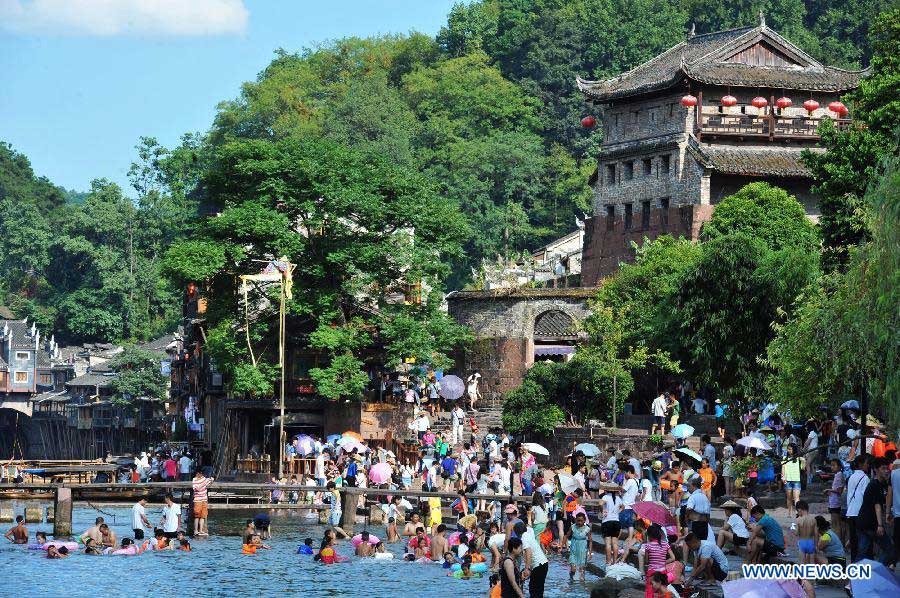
(655, 512)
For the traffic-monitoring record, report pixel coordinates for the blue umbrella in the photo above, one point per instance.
(682, 431)
(851, 404)
(333, 438)
(587, 449)
(882, 582)
(452, 387)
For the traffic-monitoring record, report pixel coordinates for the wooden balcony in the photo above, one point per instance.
(771, 126)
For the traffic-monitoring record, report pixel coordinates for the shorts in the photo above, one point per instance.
(659, 420)
(792, 485)
(771, 550)
(201, 509)
(138, 534)
(806, 546)
(718, 573)
(610, 529)
(739, 541)
(626, 518)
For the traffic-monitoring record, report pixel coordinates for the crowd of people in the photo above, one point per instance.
(511, 515)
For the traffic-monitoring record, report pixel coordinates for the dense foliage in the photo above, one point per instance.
(138, 377)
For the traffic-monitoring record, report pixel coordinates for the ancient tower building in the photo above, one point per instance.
(696, 123)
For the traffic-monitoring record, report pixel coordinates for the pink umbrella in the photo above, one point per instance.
(353, 444)
(380, 473)
(655, 512)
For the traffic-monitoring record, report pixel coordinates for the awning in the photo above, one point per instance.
(541, 350)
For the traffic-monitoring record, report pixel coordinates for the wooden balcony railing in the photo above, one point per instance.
(770, 126)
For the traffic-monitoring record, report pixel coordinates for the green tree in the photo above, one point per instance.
(138, 376)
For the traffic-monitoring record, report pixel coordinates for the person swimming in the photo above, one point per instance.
(91, 547)
(254, 545)
(306, 547)
(40, 538)
(364, 548)
(393, 535)
(54, 552)
(381, 552)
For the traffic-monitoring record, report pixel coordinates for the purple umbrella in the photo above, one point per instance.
(452, 387)
(305, 444)
(762, 588)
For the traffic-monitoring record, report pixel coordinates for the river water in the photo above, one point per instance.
(216, 566)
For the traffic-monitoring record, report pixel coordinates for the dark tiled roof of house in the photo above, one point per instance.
(21, 333)
(751, 161)
(90, 379)
(704, 58)
(523, 293)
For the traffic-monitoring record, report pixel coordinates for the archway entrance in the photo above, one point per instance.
(555, 333)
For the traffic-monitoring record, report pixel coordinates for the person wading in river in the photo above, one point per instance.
(200, 484)
(18, 534)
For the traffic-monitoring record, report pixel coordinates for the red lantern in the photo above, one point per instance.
(760, 102)
(783, 102)
(811, 105)
(191, 290)
(588, 122)
(689, 101)
(729, 101)
(838, 108)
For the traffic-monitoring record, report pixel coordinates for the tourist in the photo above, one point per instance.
(107, 536)
(872, 521)
(829, 545)
(766, 537)
(697, 509)
(439, 544)
(727, 460)
(472, 389)
(790, 475)
(420, 425)
(834, 494)
(415, 522)
(306, 548)
(856, 489)
(810, 450)
(708, 451)
(92, 548)
(57, 553)
(249, 531)
(93, 532)
(457, 420)
(434, 396)
(635, 464)
(171, 518)
(720, 418)
(510, 577)
(629, 497)
(170, 469)
(658, 408)
(734, 529)
(806, 533)
(184, 468)
(671, 481)
(708, 476)
(611, 526)
(420, 544)
(19, 533)
(535, 561)
(200, 485)
(581, 547)
(712, 563)
(254, 545)
(364, 548)
(658, 553)
(333, 499)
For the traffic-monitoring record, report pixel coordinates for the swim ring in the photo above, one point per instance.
(475, 567)
(357, 540)
(384, 555)
(453, 539)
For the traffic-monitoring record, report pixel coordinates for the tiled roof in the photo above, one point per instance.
(21, 333)
(704, 58)
(58, 396)
(90, 379)
(751, 161)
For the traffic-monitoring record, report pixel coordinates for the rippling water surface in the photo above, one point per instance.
(217, 567)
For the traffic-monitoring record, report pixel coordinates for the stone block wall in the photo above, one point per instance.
(610, 247)
(564, 439)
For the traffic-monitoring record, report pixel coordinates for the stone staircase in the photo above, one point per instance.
(489, 415)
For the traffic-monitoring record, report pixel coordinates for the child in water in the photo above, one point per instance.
(254, 545)
(580, 546)
(57, 553)
(306, 547)
(392, 534)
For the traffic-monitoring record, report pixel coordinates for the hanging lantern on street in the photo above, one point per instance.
(588, 122)
(729, 101)
(811, 106)
(838, 108)
(759, 102)
(689, 101)
(783, 102)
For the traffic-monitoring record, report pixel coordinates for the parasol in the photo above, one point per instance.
(682, 431)
(567, 483)
(851, 404)
(333, 438)
(754, 442)
(353, 444)
(352, 434)
(686, 452)
(656, 512)
(587, 449)
(380, 473)
(534, 447)
(881, 583)
(305, 444)
(762, 588)
(452, 387)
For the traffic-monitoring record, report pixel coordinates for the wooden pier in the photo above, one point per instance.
(63, 496)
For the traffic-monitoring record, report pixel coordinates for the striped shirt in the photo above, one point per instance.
(200, 486)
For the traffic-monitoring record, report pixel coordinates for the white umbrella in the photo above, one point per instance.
(547, 488)
(754, 442)
(567, 483)
(536, 448)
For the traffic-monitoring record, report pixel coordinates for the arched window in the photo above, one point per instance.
(554, 324)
